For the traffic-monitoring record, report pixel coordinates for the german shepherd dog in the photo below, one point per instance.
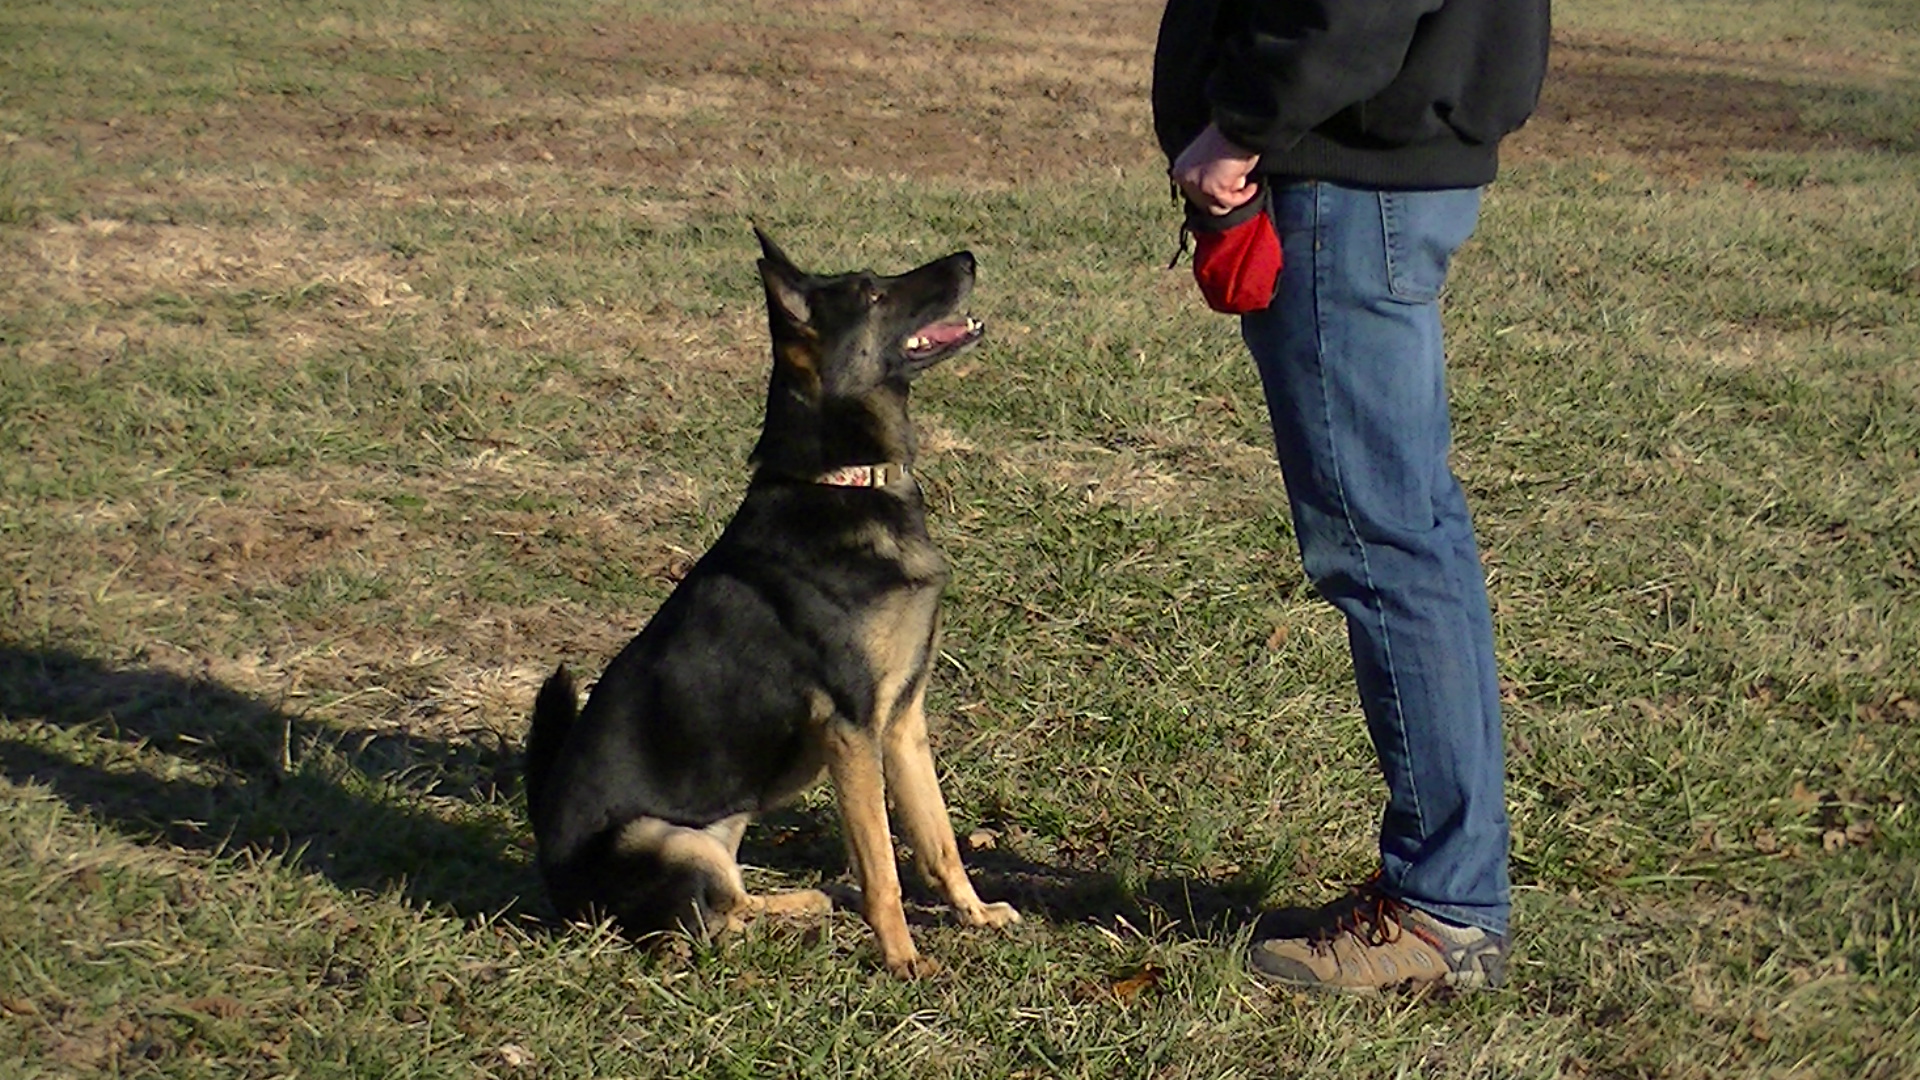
(801, 642)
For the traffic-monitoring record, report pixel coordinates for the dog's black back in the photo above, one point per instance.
(716, 709)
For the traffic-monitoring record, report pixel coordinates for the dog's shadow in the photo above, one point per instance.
(797, 842)
(167, 759)
(1179, 906)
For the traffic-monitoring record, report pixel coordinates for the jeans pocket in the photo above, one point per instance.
(1422, 230)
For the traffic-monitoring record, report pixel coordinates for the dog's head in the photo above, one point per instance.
(845, 348)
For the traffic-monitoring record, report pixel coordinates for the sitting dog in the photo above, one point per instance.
(801, 642)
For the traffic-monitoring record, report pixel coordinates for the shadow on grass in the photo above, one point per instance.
(1674, 105)
(1187, 907)
(799, 841)
(190, 762)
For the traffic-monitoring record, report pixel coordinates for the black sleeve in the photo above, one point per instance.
(1286, 67)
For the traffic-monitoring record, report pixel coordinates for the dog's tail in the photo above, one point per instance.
(553, 712)
(648, 875)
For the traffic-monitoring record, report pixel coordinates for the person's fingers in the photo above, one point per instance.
(1233, 192)
(1217, 188)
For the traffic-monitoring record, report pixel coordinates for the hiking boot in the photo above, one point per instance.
(1368, 941)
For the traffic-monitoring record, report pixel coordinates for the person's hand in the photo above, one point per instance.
(1212, 172)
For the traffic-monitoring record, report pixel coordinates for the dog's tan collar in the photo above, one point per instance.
(887, 472)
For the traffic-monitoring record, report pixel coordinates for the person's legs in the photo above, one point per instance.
(1351, 360)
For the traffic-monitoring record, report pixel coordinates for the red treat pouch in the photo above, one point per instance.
(1236, 255)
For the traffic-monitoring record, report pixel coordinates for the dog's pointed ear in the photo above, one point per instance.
(770, 250)
(786, 294)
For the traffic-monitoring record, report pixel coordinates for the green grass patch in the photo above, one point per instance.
(320, 445)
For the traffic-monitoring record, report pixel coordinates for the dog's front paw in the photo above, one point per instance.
(994, 915)
(913, 966)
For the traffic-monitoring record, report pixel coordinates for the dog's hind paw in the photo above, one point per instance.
(799, 903)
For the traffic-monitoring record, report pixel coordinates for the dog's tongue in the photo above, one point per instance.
(940, 335)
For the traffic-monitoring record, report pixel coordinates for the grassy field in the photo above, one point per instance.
(361, 361)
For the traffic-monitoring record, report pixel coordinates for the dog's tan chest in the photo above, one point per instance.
(919, 560)
(897, 636)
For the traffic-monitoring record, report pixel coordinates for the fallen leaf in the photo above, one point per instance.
(1276, 639)
(1147, 978)
(982, 840)
(218, 1006)
(515, 1056)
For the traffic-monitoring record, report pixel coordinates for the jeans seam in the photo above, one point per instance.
(1346, 511)
(1388, 237)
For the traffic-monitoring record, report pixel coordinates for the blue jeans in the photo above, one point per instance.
(1350, 357)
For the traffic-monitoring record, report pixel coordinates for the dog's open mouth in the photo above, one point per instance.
(940, 339)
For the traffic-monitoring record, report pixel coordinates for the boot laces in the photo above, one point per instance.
(1367, 913)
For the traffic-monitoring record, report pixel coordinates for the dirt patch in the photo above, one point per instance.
(1167, 472)
(196, 288)
(1680, 107)
(243, 546)
(153, 285)
(662, 96)
(119, 261)
(1059, 90)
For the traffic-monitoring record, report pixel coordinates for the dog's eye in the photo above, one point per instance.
(874, 295)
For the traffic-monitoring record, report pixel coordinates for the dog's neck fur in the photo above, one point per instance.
(805, 439)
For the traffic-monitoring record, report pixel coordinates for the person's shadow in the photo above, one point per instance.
(167, 759)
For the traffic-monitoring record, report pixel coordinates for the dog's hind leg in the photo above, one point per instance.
(923, 817)
(704, 878)
(859, 785)
(727, 833)
(799, 903)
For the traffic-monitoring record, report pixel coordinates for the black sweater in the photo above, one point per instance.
(1378, 93)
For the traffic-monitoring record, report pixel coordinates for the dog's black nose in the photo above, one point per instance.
(966, 260)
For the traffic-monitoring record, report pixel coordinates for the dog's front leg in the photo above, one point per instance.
(923, 817)
(859, 785)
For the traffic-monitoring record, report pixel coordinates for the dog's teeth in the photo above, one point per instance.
(916, 342)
